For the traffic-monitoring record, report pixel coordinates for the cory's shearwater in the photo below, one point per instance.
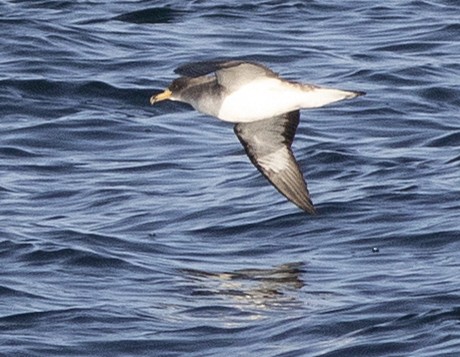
(265, 110)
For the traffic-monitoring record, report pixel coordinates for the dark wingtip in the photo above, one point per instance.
(309, 208)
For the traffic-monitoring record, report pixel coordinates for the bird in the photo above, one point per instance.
(265, 111)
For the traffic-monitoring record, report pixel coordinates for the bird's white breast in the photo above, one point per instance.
(268, 97)
(260, 99)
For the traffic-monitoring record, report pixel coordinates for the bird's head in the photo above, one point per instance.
(173, 92)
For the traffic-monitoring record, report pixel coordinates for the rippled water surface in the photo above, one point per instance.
(131, 230)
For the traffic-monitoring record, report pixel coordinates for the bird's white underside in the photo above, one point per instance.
(268, 97)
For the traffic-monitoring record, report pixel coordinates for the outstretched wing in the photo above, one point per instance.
(268, 144)
(197, 69)
(229, 74)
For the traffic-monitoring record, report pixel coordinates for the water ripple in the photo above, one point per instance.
(127, 228)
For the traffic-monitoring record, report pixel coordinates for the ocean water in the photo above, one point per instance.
(132, 230)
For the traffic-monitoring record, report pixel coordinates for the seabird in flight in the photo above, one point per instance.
(265, 110)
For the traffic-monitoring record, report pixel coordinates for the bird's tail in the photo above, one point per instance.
(316, 97)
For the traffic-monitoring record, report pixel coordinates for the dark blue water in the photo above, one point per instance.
(131, 230)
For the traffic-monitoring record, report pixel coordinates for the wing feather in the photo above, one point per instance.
(268, 145)
(237, 68)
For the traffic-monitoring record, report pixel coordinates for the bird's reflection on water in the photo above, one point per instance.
(275, 287)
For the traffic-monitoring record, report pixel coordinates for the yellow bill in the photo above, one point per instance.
(159, 97)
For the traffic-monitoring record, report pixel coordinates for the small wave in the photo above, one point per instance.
(44, 89)
(14, 152)
(8, 292)
(154, 15)
(449, 139)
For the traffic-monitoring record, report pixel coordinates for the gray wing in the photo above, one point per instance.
(268, 144)
(230, 74)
